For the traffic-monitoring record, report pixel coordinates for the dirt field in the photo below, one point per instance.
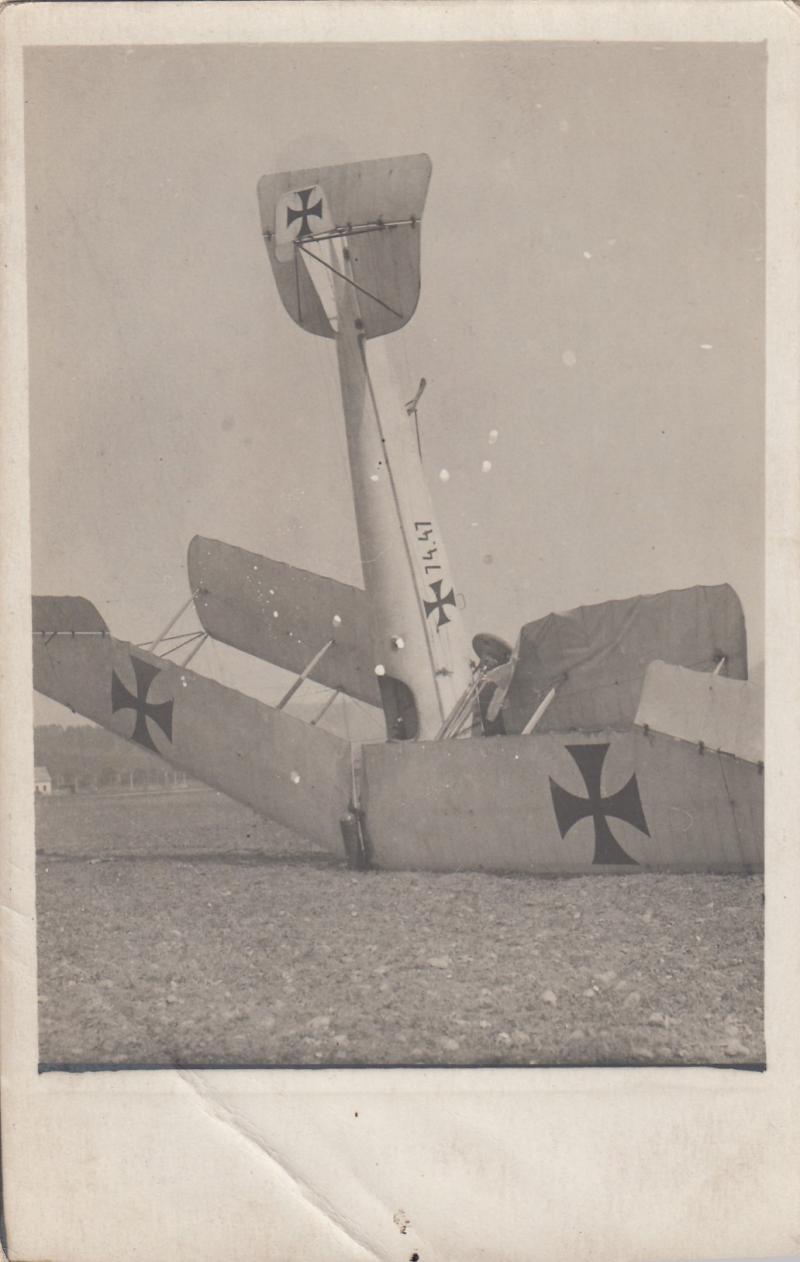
(182, 929)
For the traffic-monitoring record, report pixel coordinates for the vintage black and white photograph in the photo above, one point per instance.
(397, 436)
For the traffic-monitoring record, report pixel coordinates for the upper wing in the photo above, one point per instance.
(284, 615)
(597, 655)
(288, 771)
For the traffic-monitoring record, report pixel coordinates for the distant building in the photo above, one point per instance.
(42, 780)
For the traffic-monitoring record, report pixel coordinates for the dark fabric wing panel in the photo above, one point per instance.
(597, 655)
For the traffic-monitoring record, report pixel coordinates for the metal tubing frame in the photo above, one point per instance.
(172, 621)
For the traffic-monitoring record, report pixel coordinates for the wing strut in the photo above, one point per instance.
(172, 621)
(325, 708)
(304, 674)
(538, 712)
(196, 649)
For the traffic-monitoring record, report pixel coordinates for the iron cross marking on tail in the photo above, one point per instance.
(437, 605)
(122, 699)
(304, 212)
(626, 805)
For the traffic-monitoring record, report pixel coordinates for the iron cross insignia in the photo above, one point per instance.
(626, 805)
(437, 605)
(122, 699)
(304, 212)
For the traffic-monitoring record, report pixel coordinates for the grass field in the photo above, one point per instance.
(182, 929)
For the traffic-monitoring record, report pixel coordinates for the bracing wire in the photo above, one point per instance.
(360, 288)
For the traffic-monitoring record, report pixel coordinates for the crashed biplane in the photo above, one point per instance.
(613, 737)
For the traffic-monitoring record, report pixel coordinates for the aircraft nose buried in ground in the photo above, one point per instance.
(613, 735)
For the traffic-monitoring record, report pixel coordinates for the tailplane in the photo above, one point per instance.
(377, 207)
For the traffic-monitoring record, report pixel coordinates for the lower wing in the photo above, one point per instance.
(298, 775)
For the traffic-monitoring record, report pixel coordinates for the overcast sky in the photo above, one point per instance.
(592, 288)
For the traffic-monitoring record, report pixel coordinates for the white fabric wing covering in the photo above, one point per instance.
(726, 715)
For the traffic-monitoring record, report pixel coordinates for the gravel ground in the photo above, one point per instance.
(182, 929)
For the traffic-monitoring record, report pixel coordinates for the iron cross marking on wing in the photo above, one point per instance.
(626, 805)
(123, 699)
(437, 605)
(304, 212)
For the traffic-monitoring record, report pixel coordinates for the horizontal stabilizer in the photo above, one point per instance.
(725, 715)
(377, 206)
(596, 656)
(284, 615)
(298, 775)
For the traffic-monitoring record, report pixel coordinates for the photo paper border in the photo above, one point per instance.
(503, 1164)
